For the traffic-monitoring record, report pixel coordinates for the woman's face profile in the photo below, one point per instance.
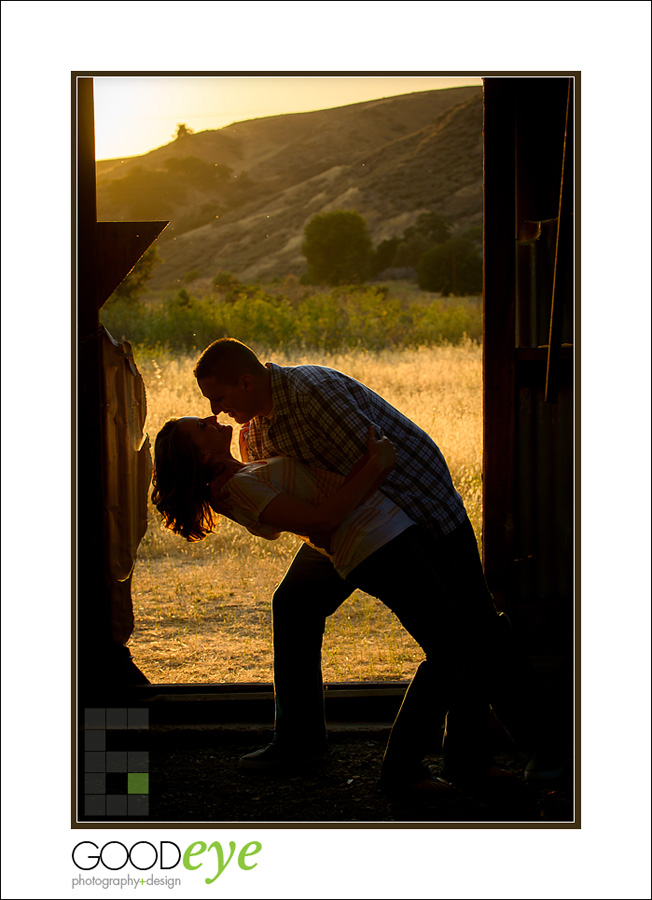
(208, 435)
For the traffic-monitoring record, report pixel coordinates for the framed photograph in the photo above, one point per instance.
(363, 253)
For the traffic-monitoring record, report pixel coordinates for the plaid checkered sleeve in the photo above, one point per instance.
(322, 417)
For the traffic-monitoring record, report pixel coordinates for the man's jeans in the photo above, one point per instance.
(437, 590)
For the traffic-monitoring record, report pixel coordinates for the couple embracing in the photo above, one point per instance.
(370, 493)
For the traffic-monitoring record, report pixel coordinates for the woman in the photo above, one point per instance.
(196, 478)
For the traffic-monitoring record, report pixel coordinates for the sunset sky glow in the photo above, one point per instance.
(135, 114)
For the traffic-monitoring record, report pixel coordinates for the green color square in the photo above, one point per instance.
(137, 783)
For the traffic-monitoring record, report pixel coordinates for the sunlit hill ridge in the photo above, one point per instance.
(238, 198)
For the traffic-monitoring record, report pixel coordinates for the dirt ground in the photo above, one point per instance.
(194, 777)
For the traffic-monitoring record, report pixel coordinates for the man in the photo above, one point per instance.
(322, 417)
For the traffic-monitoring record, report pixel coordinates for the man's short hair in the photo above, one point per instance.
(226, 359)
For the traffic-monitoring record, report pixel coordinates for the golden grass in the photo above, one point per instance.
(203, 610)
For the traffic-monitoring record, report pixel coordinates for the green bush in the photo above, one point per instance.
(444, 322)
(256, 320)
(224, 280)
(182, 323)
(365, 316)
(374, 320)
(126, 320)
(321, 323)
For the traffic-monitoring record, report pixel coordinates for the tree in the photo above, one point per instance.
(384, 255)
(430, 229)
(433, 226)
(183, 130)
(401, 252)
(134, 285)
(337, 247)
(452, 268)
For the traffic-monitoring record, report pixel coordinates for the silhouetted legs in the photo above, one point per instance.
(438, 591)
(310, 592)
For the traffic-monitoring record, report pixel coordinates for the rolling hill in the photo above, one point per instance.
(238, 198)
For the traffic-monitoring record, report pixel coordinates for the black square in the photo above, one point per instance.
(116, 782)
(116, 740)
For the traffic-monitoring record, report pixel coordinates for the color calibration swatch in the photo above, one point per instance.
(116, 770)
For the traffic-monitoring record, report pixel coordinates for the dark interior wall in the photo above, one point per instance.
(528, 354)
(107, 450)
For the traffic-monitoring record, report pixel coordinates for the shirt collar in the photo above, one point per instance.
(280, 394)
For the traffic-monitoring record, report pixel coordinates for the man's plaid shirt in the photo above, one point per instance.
(322, 417)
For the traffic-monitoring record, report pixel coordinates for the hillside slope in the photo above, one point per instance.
(242, 203)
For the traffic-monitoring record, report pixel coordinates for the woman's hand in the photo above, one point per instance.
(379, 461)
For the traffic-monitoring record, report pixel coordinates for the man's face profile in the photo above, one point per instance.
(236, 401)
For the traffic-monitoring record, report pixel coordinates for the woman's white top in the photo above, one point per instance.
(370, 526)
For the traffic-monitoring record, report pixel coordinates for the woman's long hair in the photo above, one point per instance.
(180, 485)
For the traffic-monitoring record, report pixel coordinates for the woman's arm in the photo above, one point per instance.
(289, 513)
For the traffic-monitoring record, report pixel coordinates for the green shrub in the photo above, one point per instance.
(321, 323)
(126, 320)
(254, 319)
(224, 280)
(445, 322)
(365, 316)
(374, 320)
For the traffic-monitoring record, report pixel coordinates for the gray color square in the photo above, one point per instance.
(94, 717)
(94, 805)
(116, 805)
(116, 717)
(138, 805)
(116, 761)
(94, 762)
(95, 740)
(138, 718)
(95, 783)
(137, 761)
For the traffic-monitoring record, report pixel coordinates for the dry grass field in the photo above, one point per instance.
(203, 610)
